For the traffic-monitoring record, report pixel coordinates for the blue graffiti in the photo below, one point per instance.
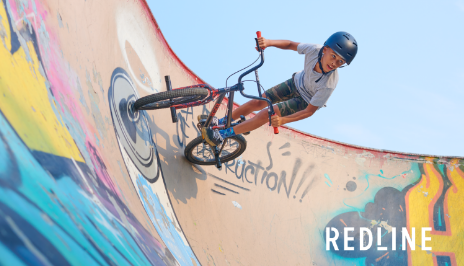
(164, 224)
(52, 216)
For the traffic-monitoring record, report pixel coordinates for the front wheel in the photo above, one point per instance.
(163, 99)
(200, 152)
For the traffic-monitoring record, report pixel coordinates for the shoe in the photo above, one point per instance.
(202, 119)
(212, 136)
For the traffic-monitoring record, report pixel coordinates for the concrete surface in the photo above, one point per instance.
(84, 183)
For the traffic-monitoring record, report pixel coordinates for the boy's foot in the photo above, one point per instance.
(221, 121)
(202, 119)
(212, 136)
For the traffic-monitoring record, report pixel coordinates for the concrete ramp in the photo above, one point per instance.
(85, 182)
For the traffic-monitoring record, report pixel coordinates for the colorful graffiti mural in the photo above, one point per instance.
(58, 202)
(85, 179)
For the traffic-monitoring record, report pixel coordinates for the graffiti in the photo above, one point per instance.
(225, 182)
(387, 211)
(132, 127)
(252, 172)
(255, 173)
(183, 124)
(186, 120)
(411, 208)
(87, 180)
(440, 210)
(59, 204)
(139, 153)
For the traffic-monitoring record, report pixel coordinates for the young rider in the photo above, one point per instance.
(302, 95)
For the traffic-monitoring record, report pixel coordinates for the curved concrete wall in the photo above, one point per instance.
(83, 181)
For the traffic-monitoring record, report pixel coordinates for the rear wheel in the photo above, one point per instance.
(200, 152)
(163, 99)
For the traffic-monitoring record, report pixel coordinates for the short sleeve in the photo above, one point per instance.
(307, 48)
(321, 97)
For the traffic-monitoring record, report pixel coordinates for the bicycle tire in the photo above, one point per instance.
(163, 99)
(196, 143)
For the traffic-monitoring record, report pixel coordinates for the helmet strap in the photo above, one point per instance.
(320, 64)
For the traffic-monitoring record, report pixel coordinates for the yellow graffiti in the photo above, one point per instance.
(420, 201)
(24, 99)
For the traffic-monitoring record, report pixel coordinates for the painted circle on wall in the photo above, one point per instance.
(351, 186)
(132, 128)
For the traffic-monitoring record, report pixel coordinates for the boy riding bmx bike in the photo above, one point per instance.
(299, 97)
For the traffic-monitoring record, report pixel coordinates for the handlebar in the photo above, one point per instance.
(276, 129)
(258, 34)
(270, 108)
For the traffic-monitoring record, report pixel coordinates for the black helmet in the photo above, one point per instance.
(343, 44)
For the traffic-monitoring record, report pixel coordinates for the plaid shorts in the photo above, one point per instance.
(287, 98)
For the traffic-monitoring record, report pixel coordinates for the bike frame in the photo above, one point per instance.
(221, 93)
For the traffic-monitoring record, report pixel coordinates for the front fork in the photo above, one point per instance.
(217, 153)
(201, 124)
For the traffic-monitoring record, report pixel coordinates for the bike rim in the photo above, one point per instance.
(205, 153)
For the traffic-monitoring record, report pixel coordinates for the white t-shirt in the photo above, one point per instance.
(314, 93)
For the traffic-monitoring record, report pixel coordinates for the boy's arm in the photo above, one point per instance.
(282, 44)
(277, 121)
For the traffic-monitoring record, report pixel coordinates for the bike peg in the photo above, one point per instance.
(172, 109)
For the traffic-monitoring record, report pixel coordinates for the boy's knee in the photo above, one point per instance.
(259, 103)
(277, 110)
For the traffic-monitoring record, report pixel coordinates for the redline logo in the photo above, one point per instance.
(366, 231)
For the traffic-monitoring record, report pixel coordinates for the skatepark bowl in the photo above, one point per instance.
(83, 181)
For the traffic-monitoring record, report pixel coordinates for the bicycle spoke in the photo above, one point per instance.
(205, 153)
(200, 152)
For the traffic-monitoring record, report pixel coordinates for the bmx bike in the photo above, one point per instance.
(198, 151)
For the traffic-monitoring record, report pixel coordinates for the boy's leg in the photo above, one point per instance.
(281, 109)
(245, 109)
(258, 120)
(282, 92)
(288, 101)
(279, 93)
(248, 108)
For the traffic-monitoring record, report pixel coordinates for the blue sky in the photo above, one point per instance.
(403, 92)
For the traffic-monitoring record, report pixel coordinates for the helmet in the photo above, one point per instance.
(343, 44)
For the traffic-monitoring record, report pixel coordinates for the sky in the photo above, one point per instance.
(403, 92)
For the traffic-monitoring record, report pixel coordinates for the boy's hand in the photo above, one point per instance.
(263, 43)
(276, 121)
